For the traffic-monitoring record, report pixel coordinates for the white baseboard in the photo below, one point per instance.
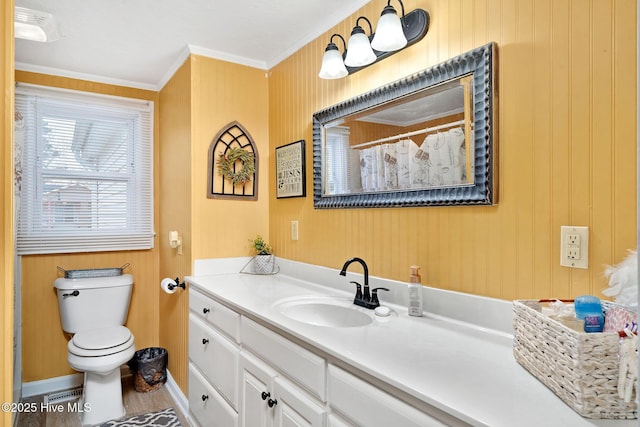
(192, 421)
(51, 385)
(177, 395)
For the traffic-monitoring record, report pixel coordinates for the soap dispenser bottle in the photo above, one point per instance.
(415, 291)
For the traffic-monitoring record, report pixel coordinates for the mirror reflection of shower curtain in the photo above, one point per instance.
(405, 150)
(456, 147)
(390, 156)
(439, 161)
(446, 157)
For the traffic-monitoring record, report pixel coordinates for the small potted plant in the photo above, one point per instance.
(263, 261)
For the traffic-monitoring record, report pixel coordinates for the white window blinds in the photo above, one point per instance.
(343, 163)
(87, 178)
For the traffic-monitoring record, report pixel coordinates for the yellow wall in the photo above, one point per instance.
(223, 92)
(42, 333)
(175, 214)
(567, 150)
(202, 97)
(6, 207)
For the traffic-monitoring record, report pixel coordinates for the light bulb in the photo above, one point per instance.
(389, 35)
(332, 64)
(359, 52)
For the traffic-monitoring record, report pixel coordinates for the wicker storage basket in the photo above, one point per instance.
(582, 369)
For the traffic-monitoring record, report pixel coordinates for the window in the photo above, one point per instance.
(87, 178)
(343, 163)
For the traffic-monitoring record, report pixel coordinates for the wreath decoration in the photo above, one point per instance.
(226, 163)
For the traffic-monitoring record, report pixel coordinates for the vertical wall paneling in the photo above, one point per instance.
(42, 333)
(624, 131)
(175, 214)
(6, 208)
(560, 106)
(580, 129)
(566, 74)
(223, 92)
(203, 96)
(603, 116)
(541, 148)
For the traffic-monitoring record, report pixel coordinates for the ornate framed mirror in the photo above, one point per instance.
(426, 140)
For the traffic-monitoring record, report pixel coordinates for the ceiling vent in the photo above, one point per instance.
(35, 25)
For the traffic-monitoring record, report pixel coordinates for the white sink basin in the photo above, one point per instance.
(327, 311)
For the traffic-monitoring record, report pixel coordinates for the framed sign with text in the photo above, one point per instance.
(290, 170)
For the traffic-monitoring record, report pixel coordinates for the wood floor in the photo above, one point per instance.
(135, 404)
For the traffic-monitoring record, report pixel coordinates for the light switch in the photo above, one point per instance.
(294, 230)
(574, 246)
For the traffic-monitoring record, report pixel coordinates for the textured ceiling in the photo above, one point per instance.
(140, 43)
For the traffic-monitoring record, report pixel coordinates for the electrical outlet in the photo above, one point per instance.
(573, 239)
(573, 252)
(574, 246)
(294, 230)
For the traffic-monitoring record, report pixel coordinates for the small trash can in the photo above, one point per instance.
(149, 368)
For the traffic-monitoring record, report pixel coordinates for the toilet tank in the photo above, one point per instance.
(90, 303)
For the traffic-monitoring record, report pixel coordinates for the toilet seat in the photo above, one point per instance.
(101, 342)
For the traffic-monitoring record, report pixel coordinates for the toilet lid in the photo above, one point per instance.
(102, 338)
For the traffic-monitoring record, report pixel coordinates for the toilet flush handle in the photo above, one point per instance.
(75, 293)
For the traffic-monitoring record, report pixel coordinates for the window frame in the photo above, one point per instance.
(138, 231)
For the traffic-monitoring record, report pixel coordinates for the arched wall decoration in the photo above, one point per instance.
(231, 138)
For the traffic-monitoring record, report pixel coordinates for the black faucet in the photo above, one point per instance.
(363, 296)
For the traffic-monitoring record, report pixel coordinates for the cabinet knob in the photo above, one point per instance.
(272, 403)
(265, 395)
(204, 397)
(205, 310)
(205, 341)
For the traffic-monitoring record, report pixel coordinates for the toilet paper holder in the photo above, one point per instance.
(182, 285)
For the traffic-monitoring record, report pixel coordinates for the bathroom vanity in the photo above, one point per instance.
(291, 349)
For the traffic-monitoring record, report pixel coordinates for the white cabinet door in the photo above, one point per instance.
(206, 405)
(267, 399)
(294, 407)
(256, 388)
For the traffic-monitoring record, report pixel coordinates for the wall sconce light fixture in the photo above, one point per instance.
(393, 34)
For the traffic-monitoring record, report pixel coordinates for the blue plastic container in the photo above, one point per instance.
(589, 309)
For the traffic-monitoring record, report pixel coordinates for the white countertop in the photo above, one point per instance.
(466, 370)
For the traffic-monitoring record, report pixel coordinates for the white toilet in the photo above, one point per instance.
(94, 310)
